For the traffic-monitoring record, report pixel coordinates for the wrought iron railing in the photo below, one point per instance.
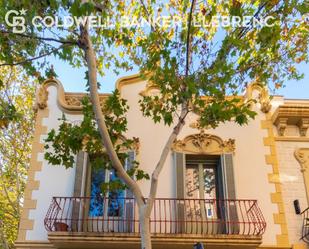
(305, 227)
(169, 216)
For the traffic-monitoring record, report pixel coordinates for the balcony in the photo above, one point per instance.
(305, 227)
(71, 221)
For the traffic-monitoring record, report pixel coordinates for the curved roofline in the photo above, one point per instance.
(71, 101)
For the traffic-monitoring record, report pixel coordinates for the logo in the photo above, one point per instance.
(16, 22)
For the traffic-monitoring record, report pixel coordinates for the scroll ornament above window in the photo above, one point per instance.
(203, 143)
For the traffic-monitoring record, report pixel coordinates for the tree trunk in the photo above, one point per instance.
(100, 119)
(145, 208)
(144, 221)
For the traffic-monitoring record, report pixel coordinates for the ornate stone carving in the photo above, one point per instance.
(67, 101)
(303, 126)
(264, 98)
(203, 143)
(265, 101)
(302, 156)
(229, 145)
(72, 100)
(196, 125)
(281, 126)
(42, 97)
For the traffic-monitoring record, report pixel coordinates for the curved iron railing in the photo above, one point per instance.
(169, 216)
(305, 227)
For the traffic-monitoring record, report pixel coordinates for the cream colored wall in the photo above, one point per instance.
(293, 187)
(251, 170)
(54, 180)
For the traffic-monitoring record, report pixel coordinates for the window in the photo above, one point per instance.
(114, 200)
(202, 185)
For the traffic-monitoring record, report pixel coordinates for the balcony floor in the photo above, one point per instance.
(87, 240)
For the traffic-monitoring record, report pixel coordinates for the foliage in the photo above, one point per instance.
(15, 149)
(218, 66)
(8, 112)
(211, 61)
(62, 145)
(196, 69)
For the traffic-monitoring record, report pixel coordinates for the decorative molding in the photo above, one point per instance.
(303, 126)
(41, 98)
(195, 125)
(203, 143)
(72, 101)
(34, 244)
(281, 124)
(302, 156)
(292, 139)
(69, 102)
(276, 197)
(128, 80)
(264, 98)
(167, 241)
(292, 114)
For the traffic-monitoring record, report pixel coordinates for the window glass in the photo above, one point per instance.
(192, 182)
(96, 201)
(209, 183)
(200, 184)
(115, 200)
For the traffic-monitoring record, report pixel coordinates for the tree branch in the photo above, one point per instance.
(177, 128)
(189, 39)
(73, 42)
(33, 58)
(160, 164)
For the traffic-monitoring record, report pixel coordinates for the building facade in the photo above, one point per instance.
(229, 187)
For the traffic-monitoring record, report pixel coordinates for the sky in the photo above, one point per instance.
(73, 80)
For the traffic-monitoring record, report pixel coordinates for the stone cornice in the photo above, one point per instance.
(291, 114)
(291, 111)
